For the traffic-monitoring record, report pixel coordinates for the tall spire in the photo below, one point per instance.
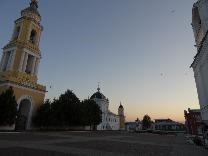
(120, 105)
(33, 8)
(34, 4)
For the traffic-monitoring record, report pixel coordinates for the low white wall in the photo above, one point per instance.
(7, 128)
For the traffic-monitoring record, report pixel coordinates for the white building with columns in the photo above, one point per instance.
(200, 63)
(110, 121)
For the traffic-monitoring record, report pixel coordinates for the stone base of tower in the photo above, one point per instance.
(28, 100)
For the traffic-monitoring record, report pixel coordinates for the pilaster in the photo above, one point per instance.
(8, 67)
(2, 61)
(33, 65)
(37, 66)
(13, 53)
(21, 61)
(25, 62)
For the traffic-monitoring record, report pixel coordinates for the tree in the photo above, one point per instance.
(8, 108)
(62, 112)
(42, 117)
(68, 111)
(146, 122)
(70, 108)
(91, 113)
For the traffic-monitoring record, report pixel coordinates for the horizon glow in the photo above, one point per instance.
(140, 51)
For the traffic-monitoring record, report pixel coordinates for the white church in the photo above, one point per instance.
(110, 121)
(200, 63)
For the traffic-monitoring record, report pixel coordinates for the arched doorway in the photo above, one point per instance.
(23, 115)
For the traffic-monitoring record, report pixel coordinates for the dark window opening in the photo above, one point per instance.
(33, 36)
(29, 65)
(16, 33)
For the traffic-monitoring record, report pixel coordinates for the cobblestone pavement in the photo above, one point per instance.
(95, 144)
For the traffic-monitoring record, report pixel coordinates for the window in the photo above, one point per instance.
(16, 33)
(33, 37)
(29, 65)
(6, 60)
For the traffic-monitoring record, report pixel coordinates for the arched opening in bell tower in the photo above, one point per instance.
(33, 36)
(5, 60)
(23, 115)
(29, 66)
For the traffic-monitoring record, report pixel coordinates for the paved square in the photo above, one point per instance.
(95, 143)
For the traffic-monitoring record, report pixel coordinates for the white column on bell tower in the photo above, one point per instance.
(25, 62)
(33, 66)
(21, 61)
(2, 61)
(36, 66)
(10, 61)
(12, 55)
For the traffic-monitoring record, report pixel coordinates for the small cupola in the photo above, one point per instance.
(121, 106)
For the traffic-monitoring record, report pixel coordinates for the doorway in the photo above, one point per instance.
(23, 115)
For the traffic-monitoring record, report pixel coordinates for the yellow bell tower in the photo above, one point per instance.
(20, 62)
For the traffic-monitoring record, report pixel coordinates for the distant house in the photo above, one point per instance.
(193, 121)
(168, 125)
(133, 126)
(130, 126)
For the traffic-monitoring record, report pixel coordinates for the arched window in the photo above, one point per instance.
(6, 60)
(16, 33)
(29, 65)
(33, 36)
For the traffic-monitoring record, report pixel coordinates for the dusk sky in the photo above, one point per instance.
(139, 50)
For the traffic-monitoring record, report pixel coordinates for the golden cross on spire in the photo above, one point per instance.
(34, 4)
(98, 87)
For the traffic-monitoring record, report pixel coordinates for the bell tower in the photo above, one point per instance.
(121, 117)
(20, 62)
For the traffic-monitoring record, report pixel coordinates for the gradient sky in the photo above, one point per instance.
(140, 51)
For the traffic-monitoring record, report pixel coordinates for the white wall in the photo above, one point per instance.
(109, 121)
(200, 66)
